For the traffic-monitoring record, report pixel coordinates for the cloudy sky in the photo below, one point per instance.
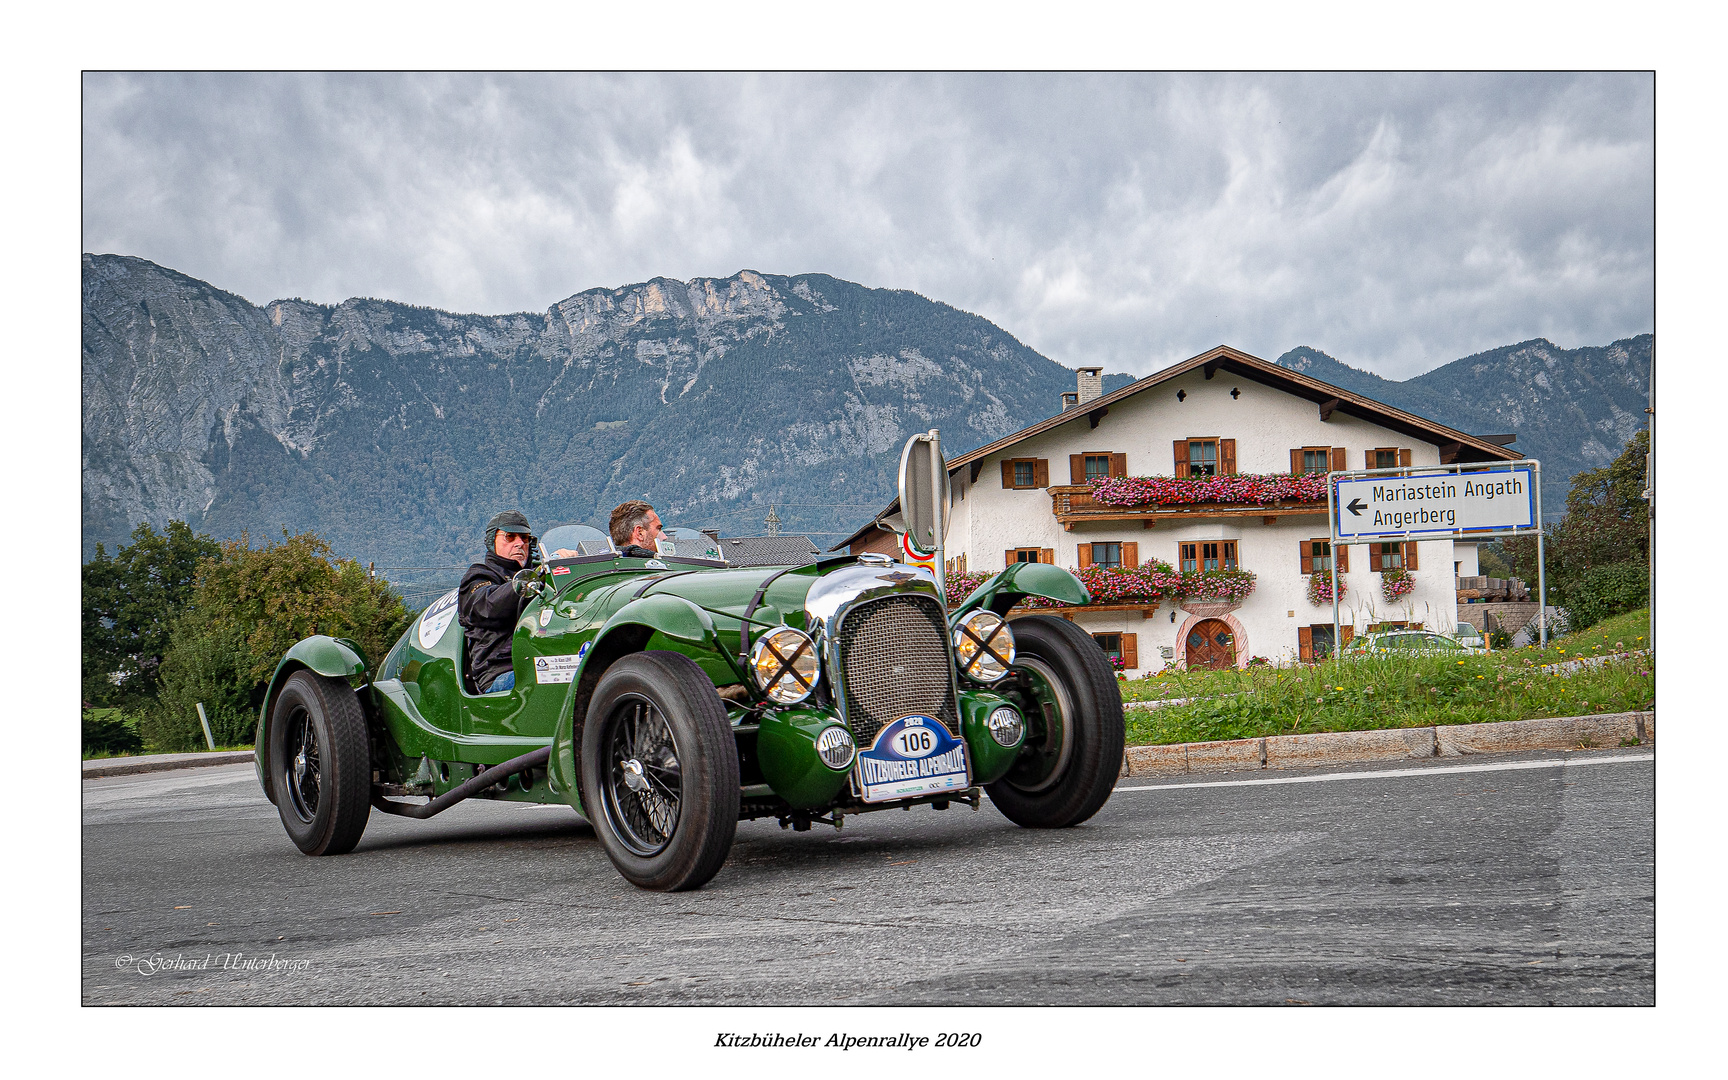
(1396, 222)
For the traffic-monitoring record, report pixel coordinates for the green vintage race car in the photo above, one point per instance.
(667, 699)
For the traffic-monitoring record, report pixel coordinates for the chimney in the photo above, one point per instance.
(1091, 384)
(1069, 400)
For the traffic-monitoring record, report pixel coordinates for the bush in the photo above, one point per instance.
(1606, 591)
(108, 731)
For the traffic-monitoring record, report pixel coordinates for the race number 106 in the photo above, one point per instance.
(914, 742)
(960, 1038)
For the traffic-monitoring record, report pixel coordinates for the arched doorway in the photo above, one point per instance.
(1211, 644)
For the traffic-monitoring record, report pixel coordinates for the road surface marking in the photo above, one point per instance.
(1433, 770)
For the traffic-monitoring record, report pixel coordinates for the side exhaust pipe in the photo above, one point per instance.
(467, 788)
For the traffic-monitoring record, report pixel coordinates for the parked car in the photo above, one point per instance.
(666, 699)
(1410, 643)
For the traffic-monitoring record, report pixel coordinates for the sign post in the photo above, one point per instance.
(1476, 501)
(924, 500)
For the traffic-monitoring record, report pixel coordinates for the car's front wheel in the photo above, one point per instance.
(660, 771)
(1075, 731)
(321, 762)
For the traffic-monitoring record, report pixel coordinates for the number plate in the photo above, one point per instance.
(914, 755)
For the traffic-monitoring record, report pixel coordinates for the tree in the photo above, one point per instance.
(249, 606)
(129, 603)
(1606, 525)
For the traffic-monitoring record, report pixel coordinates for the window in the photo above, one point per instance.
(1023, 473)
(1109, 553)
(1388, 457)
(1119, 647)
(1391, 556)
(1205, 457)
(1095, 464)
(1317, 556)
(1207, 555)
(1315, 642)
(1317, 459)
(1019, 555)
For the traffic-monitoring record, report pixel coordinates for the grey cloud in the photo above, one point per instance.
(1395, 221)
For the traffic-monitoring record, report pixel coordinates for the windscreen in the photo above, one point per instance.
(577, 540)
(681, 543)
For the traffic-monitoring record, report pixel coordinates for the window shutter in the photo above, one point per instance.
(1007, 558)
(1307, 557)
(1085, 551)
(1348, 632)
(1296, 462)
(1118, 464)
(1305, 642)
(1007, 473)
(1227, 457)
(1410, 555)
(1076, 468)
(1403, 457)
(1130, 654)
(1181, 457)
(1131, 554)
(1374, 558)
(1041, 472)
(1367, 459)
(1338, 463)
(1341, 552)
(1046, 555)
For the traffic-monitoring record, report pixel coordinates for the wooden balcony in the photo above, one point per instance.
(1074, 503)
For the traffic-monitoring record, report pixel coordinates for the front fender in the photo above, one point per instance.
(338, 658)
(627, 631)
(1021, 580)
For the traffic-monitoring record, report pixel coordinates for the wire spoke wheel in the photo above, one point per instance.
(659, 771)
(644, 791)
(302, 767)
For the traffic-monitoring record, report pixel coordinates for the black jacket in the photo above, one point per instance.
(487, 607)
(632, 551)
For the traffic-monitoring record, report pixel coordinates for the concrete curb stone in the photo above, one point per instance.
(126, 766)
(1348, 747)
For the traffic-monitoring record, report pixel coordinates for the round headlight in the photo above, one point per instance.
(836, 747)
(984, 646)
(783, 663)
(1006, 727)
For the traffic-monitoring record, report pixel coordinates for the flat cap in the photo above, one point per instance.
(510, 521)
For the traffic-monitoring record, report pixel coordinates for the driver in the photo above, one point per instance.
(490, 599)
(635, 528)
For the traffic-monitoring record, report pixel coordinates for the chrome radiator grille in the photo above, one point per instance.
(894, 662)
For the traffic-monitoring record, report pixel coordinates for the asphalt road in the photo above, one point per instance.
(1512, 882)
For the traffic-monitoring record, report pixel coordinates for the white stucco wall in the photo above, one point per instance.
(1266, 424)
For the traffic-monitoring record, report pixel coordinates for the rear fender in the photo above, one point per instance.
(338, 658)
(686, 627)
(1020, 581)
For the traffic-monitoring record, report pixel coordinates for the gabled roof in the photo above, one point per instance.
(1455, 445)
(768, 550)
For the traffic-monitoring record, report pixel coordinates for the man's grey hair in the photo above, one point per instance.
(627, 518)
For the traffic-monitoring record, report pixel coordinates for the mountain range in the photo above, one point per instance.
(395, 431)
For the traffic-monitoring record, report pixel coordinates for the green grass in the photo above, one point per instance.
(1378, 692)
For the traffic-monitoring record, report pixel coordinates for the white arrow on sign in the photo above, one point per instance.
(1435, 504)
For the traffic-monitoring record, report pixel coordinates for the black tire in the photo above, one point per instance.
(324, 795)
(660, 771)
(1074, 737)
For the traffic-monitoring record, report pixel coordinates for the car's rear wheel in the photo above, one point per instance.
(322, 765)
(660, 771)
(1073, 752)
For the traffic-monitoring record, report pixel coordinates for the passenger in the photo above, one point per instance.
(490, 600)
(635, 527)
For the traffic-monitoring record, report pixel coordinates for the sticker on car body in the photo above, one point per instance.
(436, 619)
(556, 669)
(915, 755)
